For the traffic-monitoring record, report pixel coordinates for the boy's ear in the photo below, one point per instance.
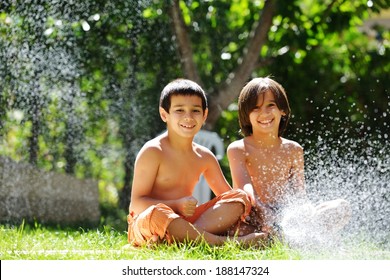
(206, 112)
(163, 114)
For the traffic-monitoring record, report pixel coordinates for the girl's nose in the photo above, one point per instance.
(262, 110)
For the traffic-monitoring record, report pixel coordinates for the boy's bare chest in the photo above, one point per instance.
(179, 171)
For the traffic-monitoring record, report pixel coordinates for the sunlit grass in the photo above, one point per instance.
(36, 242)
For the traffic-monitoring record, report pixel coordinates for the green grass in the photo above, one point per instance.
(37, 242)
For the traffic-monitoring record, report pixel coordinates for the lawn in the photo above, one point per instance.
(37, 242)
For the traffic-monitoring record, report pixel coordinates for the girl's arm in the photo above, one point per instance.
(260, 215)
(297, 175)
(237, 163)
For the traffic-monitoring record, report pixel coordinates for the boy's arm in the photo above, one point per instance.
(145, 173)
(214, 175)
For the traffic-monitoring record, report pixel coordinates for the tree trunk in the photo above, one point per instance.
(231, 88)
(35, 118)
(70, 136)
(124, 196)
(184, 43)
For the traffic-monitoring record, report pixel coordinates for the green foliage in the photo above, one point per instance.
(219, 31)
(95, 116)
(334, 74)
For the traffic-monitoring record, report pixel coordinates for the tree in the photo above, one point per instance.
(227, 92)
(277, 28)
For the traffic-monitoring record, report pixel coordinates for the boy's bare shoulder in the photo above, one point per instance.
(152, 147)
(202, 149)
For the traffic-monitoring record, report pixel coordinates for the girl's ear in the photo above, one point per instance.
(163, 114)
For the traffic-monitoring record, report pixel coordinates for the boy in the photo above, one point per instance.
(166, 171)
(271, 168)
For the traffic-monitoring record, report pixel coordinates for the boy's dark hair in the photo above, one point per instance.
(247, 101)
(181, 87)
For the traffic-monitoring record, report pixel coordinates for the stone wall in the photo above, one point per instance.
(34, 195)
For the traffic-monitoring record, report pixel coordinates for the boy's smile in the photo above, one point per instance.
(187, 126)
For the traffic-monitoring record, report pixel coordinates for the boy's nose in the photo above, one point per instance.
(188, 115)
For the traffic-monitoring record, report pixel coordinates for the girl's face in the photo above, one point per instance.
(266, 116)
(185, 116)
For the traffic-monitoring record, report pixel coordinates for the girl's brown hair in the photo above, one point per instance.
(247, 101)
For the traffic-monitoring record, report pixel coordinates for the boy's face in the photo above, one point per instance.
(185, 115)
(266, 116)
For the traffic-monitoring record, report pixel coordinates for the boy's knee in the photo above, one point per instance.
(237, 201)
(238, 207)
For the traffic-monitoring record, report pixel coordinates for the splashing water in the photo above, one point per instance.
(361, 178)
(356, 169)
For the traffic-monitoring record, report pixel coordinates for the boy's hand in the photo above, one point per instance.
(187, 205)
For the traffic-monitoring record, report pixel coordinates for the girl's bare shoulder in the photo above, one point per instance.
(236, 145)
(291, 145)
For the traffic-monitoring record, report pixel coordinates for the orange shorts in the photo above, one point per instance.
(151, 225)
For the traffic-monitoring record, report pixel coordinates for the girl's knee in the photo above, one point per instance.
(345, 207)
